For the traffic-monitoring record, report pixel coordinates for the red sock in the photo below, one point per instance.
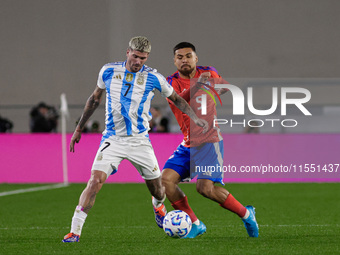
(234, 206)
(183, 205)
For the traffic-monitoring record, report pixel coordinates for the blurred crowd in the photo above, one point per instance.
(158, 123)
(43, 118)
(5, 125)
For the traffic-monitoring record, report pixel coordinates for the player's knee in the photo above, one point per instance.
(204, 190)
(95, 183)
(169, 178)
(166, 180)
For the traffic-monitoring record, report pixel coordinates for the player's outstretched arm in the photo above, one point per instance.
(181, 104)
(91, 105)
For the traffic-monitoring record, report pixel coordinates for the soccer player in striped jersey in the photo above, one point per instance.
(198, 148)
(129, 87)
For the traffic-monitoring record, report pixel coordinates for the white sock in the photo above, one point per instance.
(157, 203)
(246, 215)
(196, 222)
(78, 220)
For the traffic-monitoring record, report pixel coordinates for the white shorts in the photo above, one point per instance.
(138, 150)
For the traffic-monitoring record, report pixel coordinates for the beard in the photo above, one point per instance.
(133, 67)
(186, 71)
(136, 68)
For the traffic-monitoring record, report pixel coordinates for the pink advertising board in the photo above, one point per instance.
(37, 158)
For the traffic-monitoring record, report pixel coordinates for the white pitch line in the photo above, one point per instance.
(19, 191)
(313, 225)
(50, 228)
(142, 227)
(285, 226)
(34, 228)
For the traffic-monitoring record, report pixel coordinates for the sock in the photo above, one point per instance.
(234, 206)
(157, 203)
(246, 215)
(197, 222)
(78, 220)
(183, 205)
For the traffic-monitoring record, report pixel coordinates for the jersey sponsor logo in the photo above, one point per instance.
(129, 77)
(155, 168)
(207, 174)
(100, 156)
(118, 77)
(206, 89)
(140, 79)
(203, 99)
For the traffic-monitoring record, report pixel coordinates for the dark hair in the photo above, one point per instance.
(182, 45)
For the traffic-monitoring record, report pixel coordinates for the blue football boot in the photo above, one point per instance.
(196, 230)
(250, 223)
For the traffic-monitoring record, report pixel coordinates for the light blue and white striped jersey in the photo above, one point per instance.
(128, 98)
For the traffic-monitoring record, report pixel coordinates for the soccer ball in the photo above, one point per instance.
(177, 224)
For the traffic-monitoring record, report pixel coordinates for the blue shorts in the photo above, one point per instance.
(204, 161)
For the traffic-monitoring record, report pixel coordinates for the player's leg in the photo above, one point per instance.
(170, 180)
(94, 185)
(179, 201)
(86, 201)
(220, 195)
(177, 169)
(144, 160)
(208, 158)
(211, 155)
(107, 159)
(157, 191)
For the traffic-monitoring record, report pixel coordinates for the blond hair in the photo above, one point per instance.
(140, 43)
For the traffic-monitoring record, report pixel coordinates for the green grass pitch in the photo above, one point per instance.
(293, 218)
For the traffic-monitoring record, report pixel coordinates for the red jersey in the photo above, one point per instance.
(193, 134)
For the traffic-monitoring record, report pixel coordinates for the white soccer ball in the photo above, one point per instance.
(177, 224)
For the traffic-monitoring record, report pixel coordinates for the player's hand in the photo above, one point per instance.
(202, 123)
(204, 77)
(222, 91)
(75, 139)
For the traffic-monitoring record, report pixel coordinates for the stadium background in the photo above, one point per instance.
(53, 47)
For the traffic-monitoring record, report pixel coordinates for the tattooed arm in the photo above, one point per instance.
(181, 104)
(91, 105)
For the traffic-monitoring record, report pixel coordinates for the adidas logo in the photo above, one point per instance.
(118, 77)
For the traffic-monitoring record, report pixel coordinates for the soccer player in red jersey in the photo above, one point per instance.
(199, 149)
